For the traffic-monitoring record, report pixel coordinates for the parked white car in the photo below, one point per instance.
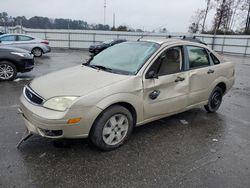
(36, 46)
(126, 85)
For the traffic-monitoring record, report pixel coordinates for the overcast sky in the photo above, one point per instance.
(146, 14)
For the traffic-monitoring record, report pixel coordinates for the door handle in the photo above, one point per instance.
(210, 71)
(179, 79)
(154, 94)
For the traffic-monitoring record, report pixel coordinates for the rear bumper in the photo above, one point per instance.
(46, 49)
(230, 84)
(91, 50)
(95, 50)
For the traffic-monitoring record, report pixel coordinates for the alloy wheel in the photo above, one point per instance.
(6, 71)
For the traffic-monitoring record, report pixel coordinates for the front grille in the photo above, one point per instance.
(32, 96)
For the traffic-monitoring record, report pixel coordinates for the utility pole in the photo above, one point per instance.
(114, 20)
(105, 6)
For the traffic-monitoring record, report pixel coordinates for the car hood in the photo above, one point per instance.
(75, 81)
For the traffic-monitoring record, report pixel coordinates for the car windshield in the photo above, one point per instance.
(125, 58)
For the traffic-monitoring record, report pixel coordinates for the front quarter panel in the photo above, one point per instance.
(132, 99)
(127, 91)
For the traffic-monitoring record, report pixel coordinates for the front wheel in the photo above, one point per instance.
(214, 100)
(8, 71)
(112, 128)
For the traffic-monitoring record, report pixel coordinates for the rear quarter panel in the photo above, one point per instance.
(224, 72)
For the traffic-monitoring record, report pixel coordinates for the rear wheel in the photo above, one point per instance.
(8, 71)
(37, 52)
(112, 128)
(214, 100)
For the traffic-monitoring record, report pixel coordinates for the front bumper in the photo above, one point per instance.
(26, 65)
(53, 124)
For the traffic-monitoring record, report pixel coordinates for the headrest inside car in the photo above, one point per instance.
(172, 54)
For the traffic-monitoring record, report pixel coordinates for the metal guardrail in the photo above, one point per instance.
(235, 44)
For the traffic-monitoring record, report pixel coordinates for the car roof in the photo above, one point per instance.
(170, 41)
(17, 34)
(119, 40)
(159, 41)
(174, 41)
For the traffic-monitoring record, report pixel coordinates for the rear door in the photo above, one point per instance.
(201, 74)
(24, 42)
(167, 92)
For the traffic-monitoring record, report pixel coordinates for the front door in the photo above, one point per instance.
(8, 40)
(167, 92)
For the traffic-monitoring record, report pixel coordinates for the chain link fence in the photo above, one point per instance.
(235, 44)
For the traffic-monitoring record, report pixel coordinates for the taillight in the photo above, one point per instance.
(45, 42)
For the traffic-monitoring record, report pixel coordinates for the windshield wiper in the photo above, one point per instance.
(100, 67)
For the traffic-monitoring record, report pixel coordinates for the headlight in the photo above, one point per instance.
(59, 103)
(21, 54)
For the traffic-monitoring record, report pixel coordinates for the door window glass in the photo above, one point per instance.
(198, 57)
(8, 38)
(24, 38)
(215, 59)
(170, 61)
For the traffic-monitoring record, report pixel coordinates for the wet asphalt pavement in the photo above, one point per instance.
(205, 150)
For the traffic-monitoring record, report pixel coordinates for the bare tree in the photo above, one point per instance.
(236, 8)
(223, 15)
(196, 20)
(247, 7)
(208, 8)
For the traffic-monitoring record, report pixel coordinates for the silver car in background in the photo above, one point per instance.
(36, 46)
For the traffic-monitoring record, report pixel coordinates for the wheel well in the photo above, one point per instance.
(11, 61)
(130, 108)
(38, 48)
(223, 86)
(126, 105)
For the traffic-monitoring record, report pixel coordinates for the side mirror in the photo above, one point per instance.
(151, 75)
(87, 61)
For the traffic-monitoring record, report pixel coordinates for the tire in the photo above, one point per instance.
(8, 71)
(214, 100)
(37, 52)
(112, 128)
